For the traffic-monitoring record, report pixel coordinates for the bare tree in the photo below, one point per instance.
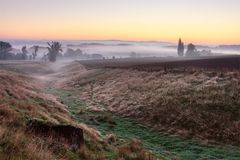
(54, 48)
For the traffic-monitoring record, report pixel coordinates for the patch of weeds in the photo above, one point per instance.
(10, 150)
(90, 77)
(71, 155)
(60, 120)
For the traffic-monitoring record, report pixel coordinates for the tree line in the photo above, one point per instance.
(191, 50)
(54, 49)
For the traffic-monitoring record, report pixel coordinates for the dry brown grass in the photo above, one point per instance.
(134, 150)
(15, 143)
(20, 94)
(193, 103)
(21, 99)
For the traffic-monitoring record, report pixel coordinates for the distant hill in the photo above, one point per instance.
(229, 47)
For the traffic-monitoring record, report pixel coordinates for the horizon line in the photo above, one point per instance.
(139, 41)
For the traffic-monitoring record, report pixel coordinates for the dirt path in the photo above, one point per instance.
(50, 74)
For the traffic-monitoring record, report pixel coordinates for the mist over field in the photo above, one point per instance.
(118, 48)
(120, 80)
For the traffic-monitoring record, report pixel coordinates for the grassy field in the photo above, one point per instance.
(199, 104)
(22, 101)
(103, 98)
(166, 146)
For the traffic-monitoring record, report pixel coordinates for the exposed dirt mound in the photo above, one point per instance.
(62, 133)
(203, 104)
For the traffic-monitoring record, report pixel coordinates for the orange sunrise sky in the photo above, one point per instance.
(205, 21)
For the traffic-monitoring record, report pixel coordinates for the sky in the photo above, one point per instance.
(197, 21)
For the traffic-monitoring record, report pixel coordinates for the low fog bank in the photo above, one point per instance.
(121, 49)
(108, 49)
(216, 50)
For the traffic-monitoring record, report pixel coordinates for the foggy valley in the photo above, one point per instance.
(119, 80)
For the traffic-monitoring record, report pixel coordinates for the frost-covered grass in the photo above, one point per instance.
(166, 146)
(203, 104)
